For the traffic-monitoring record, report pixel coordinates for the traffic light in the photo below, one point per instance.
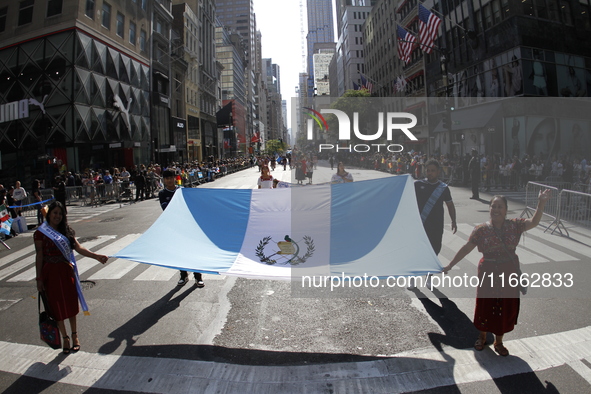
(446, 120)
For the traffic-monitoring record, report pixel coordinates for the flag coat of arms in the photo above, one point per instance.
(361, 228)
(4, 215)
(406, 44)
(428, 26)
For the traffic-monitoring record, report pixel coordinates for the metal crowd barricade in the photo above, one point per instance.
(552, 208)
(29, 210)
(74, 195)
(575, 208)
(565, 207)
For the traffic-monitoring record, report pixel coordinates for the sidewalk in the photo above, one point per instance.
(401, 373)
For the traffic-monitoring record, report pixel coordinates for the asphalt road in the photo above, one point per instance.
(246, 322)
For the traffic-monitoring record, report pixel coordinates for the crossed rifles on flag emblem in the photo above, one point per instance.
(287, 247)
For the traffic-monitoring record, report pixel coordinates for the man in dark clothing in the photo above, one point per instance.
(164, 196)
(431, 194)
(140, 184)
(59, 191)
(474, 167)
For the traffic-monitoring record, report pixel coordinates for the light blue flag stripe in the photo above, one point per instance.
(178, 240)
(359, 218)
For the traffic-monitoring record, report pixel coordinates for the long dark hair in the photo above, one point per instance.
(502, 198)
(63, 227)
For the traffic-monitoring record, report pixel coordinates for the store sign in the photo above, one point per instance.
(14, 110)
(19, 109)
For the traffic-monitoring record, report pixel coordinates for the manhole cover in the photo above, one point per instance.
(87, 284)
(86, 239)
(111, 220)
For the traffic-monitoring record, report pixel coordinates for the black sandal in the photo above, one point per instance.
(66, 350)
(75, 348)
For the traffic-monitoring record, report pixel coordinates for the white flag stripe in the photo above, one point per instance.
(155, 272)
(16, 255)
(31, 273)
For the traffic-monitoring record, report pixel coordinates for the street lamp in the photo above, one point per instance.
(443, 60)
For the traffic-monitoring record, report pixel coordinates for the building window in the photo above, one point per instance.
(541, 9)
(54, 7)
(505, 9)
(120, 24)
(488, 21)
(25, 13)
(106, 16)
(142, 40)
(496, 9)
(3, 12)
(566, 13)
(90, 9)
(144, 5)
(132, 33)
(553, 13)
(528, 7)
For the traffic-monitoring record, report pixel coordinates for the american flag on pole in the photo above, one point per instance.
(428, 26)
(406, 43)
(400, 84)
(365, 83)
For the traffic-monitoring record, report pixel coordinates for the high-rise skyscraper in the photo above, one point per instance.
(238, 16)
(320, 30)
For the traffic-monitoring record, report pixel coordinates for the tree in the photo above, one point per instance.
(352, 101)
(275, 146)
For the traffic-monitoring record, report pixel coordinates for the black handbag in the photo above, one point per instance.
(50, 333)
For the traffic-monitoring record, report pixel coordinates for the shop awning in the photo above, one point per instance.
(471, 118)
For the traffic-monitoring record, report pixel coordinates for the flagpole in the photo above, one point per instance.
(373, 80)
(444, 17)
(428, 46)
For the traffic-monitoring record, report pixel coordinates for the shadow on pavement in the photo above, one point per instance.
(144, 320)
(458, 330)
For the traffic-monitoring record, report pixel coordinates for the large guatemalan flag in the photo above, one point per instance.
(362, 228)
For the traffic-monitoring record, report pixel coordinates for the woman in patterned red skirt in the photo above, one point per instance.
(56, 271)
(497, 307)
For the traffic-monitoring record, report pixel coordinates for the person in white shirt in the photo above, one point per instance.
(265, 181)
(19, 194)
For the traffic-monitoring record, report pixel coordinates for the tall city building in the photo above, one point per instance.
(484, 54)
(238, 16)
(274, 125)
(322, 61)
(320, 30)
(349, 57)
(231, 53)
(195, 23)
(76, 82)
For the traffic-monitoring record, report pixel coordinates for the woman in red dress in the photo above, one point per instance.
(55, 274)
(497, 307)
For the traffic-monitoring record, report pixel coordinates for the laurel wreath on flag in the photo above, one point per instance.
(259, 252)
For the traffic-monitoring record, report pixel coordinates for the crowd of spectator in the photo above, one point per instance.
(114, 181)
(504, 173)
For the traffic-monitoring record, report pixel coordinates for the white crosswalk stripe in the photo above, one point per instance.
(19, 266)
(31, 273)
(117, 268)
(77, 214)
